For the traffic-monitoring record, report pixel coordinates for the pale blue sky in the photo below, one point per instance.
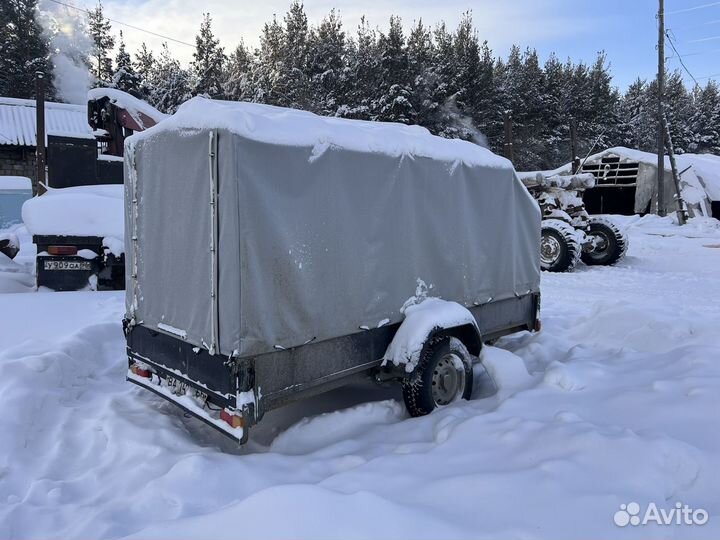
(625, 29)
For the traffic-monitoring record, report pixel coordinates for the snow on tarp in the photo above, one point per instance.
(77, 211)
(290, 127)
(324, 224)
(134, 106)
(15, 183)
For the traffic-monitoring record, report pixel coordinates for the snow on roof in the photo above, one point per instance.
(15, 183)
(77, 211)
(706, 167)
(290, 127)
(131, 104)
(18, 121)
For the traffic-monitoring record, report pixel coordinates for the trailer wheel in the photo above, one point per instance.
(609, 244)
(443, 375)
(559, 247)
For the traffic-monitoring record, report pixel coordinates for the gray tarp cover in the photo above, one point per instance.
(313, 245)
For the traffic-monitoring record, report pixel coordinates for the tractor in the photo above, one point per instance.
(569, 233)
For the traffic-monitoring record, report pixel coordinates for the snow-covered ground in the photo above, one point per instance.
(615, 401)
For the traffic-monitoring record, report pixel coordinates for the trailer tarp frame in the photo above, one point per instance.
(312, 245)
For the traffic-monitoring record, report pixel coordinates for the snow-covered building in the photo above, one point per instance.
(18, 131)
(626, 182)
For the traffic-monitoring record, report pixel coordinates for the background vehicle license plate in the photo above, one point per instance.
(67, 265)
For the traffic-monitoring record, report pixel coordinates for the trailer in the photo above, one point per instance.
(273, 254)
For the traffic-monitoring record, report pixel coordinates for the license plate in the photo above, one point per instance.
(67, 265)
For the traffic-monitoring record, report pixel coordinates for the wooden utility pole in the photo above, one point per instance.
(508, 146)
(661, 112)
(38, 186)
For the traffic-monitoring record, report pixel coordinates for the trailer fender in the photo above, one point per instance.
(424, 321)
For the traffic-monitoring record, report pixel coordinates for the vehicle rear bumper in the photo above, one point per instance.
(65, 279)
(192, 402)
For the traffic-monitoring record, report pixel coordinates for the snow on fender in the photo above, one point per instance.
(421, 321)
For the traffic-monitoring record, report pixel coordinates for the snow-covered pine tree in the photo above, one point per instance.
(169, 82)
(470, 81)
(143, 67)
(238, 85)
(393, 103)
(557, 120)
(291, 84)
(705, 120)
(639, 123)
(423, 81)
(208, 63)
(24, 50)
(269, 57)
(125, 78)
(326, 65)
(99, 28)
(604, 119)
(440, 77)
(363, 69)
(678, 111)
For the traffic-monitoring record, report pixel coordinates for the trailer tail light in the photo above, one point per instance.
(538, 325)
(233, 420)
(62, 250)
(141, 372)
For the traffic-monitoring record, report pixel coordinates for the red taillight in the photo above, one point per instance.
(538, 325)
(140, 372)
(62, 250)
(232, 419)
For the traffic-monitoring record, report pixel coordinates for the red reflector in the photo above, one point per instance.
(140, 372)
(538, 325)
(234, 420)
(62, 250)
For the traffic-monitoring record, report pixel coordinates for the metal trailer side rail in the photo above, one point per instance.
(284, 376)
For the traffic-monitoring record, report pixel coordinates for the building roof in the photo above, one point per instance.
(18, 122)
(699, 170)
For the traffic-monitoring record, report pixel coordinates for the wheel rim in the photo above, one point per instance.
(549, 249)
(601, 243)
(448, 380)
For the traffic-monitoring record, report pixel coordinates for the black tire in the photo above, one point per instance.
(438, 355)
(612, 244)
(560, 248)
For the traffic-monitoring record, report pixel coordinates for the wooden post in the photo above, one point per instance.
(681, 208)
(508, 146)
(661, 113)
(573, 147)
(40, 180)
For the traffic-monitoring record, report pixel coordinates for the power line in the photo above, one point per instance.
(696, 53)
(703, 6)
(711, 38)
(77, 8)
(679, 56)
(709, 76)
(701, 25)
